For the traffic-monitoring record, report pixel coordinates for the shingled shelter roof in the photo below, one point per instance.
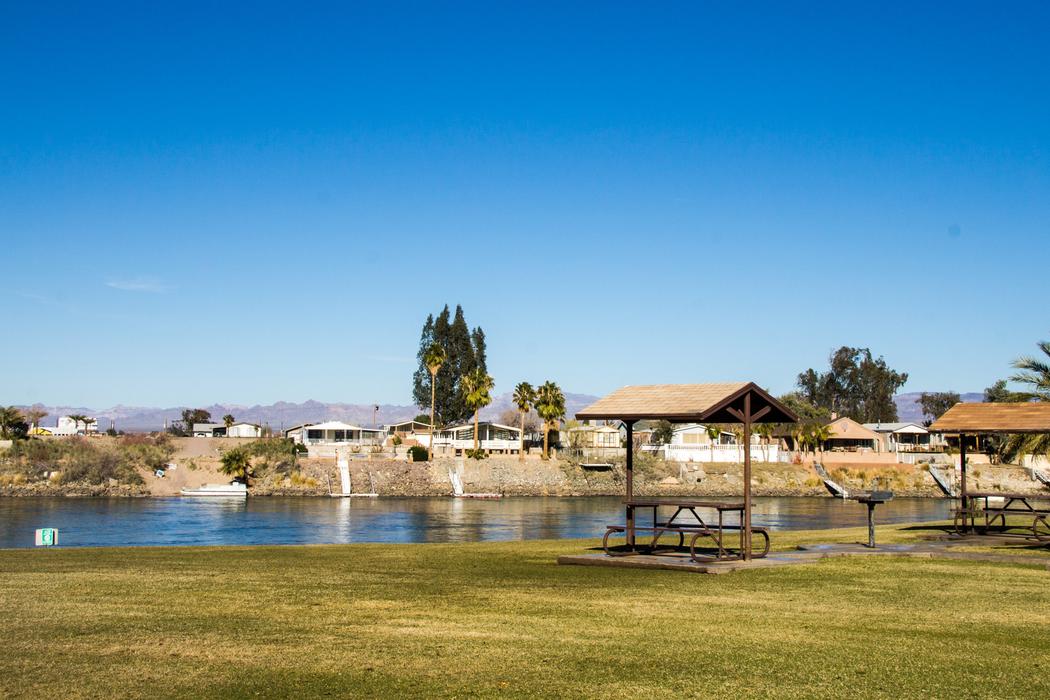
(686, 402)
(994, 418)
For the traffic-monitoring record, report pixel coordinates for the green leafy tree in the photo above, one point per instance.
(465, 351)
(856, 384)
(999, 393)
(228, 420)
(524, 396)
(192, 416)
(663, 431)
(935, 403)
(477, 386)
(550, 405)
(237, 463)
(434, 358)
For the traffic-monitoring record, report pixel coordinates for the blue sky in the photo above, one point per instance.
(205, 204)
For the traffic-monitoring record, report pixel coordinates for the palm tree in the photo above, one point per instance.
(713, 434)
(524, 395)
(34, 415)
(238, 464)
(765, 431)
(10, 417)
(818, 435)
(433, 358)
(550, 404)
(1035, 375)
(79, 418)
(476, 386)
(228, 420)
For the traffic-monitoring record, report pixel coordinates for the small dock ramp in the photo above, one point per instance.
(832, 486)
(457, 482)
(942, 482)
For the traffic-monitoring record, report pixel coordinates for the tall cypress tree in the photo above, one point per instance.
(465, 350)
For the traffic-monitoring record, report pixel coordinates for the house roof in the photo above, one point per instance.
(846, 428)
(463, 426)
(408, 422)
(339, 425)
(994, 418)
(207, 426)
(688, 403)
(913, 428)
(244, 422)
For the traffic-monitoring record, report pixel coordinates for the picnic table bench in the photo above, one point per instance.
(994, 515)
(699, 530)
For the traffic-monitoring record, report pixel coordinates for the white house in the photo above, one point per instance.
(334, 433)
(244, 430)
(492, 437)
(691, 443)
(901, 437)
(68, 426)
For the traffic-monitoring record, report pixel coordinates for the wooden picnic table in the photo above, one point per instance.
(698, 529)
(1022, 504)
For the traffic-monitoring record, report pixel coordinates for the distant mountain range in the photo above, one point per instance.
(286, 414)
(280, 414)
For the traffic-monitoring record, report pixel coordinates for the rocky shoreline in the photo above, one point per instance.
(509, 477)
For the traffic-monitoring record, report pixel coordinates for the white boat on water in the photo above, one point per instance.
(233, 490)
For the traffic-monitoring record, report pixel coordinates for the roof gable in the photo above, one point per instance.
(686, 403)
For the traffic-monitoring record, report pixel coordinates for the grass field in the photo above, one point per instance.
(504, 619)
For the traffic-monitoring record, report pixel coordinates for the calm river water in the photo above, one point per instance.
(175, 521)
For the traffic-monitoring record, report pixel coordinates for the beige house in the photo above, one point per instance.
(847, 435)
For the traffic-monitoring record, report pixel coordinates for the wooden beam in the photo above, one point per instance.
(630, 481)
(759, 415)
(747, 477)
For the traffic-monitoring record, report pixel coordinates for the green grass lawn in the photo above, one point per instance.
(504, 619)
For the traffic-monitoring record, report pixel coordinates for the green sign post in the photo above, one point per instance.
(47, 537)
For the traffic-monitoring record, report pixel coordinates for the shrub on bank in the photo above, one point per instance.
(79, 460)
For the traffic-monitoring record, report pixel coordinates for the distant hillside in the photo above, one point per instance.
(908, 409)
(278, 415)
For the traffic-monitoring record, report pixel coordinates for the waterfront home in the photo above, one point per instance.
(690, 442)
(594, 437)
(408, 428)
(334, 433)
(492, 437)
(901, 437)
(847, 435)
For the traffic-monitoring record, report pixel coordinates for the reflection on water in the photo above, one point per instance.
(175, 521)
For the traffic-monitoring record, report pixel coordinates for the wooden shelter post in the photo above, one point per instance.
(963, 500)
(747, 477)
(629, 424)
